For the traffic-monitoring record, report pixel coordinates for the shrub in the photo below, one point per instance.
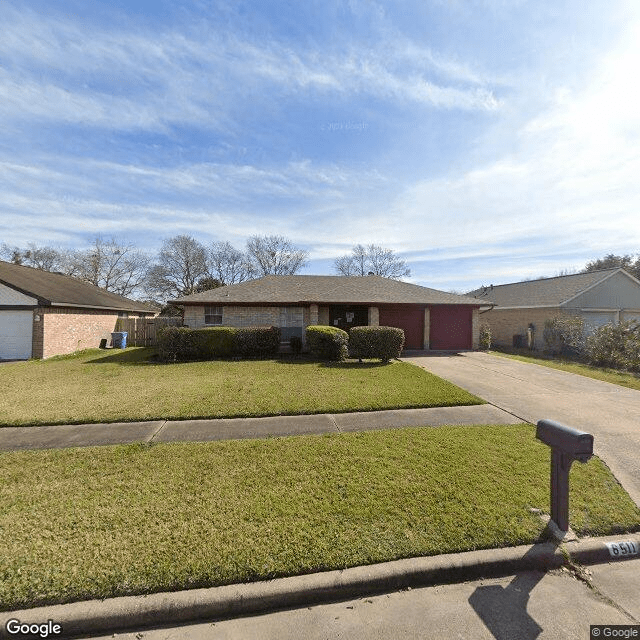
(256, 342)
(327, 343)
(615, 345)
(214, 342)
(176, 344)
(485, 337)
(563, 335)
(376, 342)
(295, 342)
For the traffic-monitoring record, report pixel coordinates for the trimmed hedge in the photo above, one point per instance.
(376, 342)
(176, 344)
(327, 343)
(258, 342)
(214, 342)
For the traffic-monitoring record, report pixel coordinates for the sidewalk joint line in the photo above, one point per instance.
(160, 428)
(335, 423)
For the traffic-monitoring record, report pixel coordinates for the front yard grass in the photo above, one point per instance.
(107, 521)
(131, 386)
(614, 376)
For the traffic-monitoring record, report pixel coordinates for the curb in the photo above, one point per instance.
(136, 612)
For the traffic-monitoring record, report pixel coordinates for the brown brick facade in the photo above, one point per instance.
(506, 323)
(247, 316)
(60, 330)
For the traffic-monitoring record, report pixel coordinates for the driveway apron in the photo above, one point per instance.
(533, 392)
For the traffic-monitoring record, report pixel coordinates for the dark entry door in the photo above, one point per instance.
(346, 316)
(450, 327)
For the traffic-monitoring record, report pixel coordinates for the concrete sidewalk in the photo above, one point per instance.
(612, 599)
(86, 435)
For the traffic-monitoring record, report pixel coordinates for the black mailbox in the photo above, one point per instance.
(577, 444)
(567, 444)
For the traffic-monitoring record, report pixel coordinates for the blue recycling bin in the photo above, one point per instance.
(119, 339)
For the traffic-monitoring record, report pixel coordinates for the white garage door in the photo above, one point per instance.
(595, 319)
(15, 334)
(630, 315)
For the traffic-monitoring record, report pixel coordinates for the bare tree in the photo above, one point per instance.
(372, 260)
(181, 263)
(274, 255)
(227, 265)
(109, 264)
(11, 254)
(43, 258)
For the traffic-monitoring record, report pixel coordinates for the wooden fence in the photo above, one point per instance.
(141, 332)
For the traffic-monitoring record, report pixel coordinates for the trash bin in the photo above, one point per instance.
(119, 339)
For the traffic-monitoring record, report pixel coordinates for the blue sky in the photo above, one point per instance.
(485, 141)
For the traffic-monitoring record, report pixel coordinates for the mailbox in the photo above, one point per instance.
(577, 444)
(567, 444)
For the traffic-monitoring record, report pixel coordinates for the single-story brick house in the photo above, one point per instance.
(431, 319)
(521, 308)
(43, 314)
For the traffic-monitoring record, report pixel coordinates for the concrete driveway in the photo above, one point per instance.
(533, 392)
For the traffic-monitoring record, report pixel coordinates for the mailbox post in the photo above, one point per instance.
(567, 445)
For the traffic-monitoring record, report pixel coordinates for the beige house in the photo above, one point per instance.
(431, 319)
(521, 308)
(44, 314)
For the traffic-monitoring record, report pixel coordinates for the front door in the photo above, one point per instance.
(346, 316)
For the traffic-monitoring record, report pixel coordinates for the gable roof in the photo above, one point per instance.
(55, 289)
(546, 292)
(324, 290)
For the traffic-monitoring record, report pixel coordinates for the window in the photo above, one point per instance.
(123, 314)
(213, 315)
(291, 323)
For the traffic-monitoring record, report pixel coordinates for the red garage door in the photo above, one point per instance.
(450, 327)
(409, 318)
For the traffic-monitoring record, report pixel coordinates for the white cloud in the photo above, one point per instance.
(574, 174)
(61, 71)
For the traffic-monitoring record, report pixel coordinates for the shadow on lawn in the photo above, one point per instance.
(138, 357)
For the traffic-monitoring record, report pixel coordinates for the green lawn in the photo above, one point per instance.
(109, 521)
(607, 375)
(131, 386)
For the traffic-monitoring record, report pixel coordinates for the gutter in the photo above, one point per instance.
(489, 309)
(87, 306)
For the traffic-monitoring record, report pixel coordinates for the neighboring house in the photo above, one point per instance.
(43, 314)
(430, 319)
(598, 297)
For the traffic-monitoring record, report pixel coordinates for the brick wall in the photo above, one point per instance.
(505, 323)
(475, 329)
(63, 330)
(234, 316)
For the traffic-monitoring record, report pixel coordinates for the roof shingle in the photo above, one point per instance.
(549, 292)
(59, 290)
(325, 290)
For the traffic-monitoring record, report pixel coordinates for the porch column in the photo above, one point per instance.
(313, 314)
(374, 317)
(427, 329)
